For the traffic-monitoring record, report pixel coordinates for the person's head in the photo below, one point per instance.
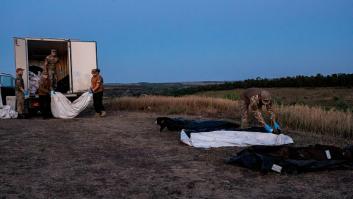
(95, 72)
(265, 97)
(45, 75)
(53, 52)
(19, 71)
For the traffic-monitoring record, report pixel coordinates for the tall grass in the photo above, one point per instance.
(296, 117)
(317, 120)
(193, 105)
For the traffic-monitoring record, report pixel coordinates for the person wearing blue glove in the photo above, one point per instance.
(253, 100)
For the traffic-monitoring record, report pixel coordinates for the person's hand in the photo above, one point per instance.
(52, 92)
(90, 90)
(277, 128)
(268, 128)
(26, 94)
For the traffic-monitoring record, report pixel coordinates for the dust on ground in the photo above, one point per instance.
(125, 156)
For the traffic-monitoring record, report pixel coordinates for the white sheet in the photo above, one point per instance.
(61, 107)
(233, 138)
(7, 113)
(33, 82)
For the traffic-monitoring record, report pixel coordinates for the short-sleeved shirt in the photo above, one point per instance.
(95, 81)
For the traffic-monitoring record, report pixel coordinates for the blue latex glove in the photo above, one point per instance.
(26, 94)
(52, 93)
(90, 90)
(276, 126)
(268, 128)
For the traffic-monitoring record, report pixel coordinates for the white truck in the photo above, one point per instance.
(76, 60)
(7, 86)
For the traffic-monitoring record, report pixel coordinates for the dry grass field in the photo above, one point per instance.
(294, 117)
(338, 98)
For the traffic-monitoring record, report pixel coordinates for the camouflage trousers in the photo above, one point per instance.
(246, 110)
(20, 102)
(53, 79)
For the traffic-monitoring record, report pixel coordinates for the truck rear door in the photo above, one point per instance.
(21, 60)
(83, 60)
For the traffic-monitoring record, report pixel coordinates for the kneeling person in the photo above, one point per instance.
(253, 99)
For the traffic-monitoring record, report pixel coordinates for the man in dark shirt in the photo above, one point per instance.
(97, 90)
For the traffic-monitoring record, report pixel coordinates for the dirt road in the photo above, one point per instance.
(125, 156)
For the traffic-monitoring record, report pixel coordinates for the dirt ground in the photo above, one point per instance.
(125, 156)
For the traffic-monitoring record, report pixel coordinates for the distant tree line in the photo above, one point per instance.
(334, 80)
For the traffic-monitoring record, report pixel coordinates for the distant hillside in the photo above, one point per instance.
(145, 88)
(196, 83)
(334, 80)
(187, 88)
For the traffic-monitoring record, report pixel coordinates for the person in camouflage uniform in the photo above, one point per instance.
(253, 99)
(44, 95)
(19, 90)
(50, 66)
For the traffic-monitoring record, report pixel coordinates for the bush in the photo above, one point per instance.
(231, 96)
(342, 105)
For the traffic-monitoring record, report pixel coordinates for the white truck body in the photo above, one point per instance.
(77, 59)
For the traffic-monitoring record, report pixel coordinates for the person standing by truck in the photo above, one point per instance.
(20, 92)
(50, 66)
(44, 95)
(97, 90)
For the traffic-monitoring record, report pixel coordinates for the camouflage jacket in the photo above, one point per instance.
(19, 84)
(252, 100)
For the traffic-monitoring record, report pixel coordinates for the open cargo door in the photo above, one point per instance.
(21, 58)
(83, 60)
